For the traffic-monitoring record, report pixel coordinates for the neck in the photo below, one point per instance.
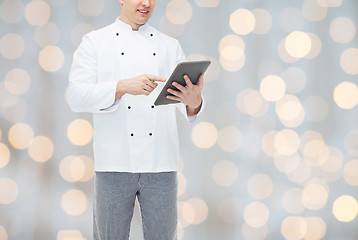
(134, 26)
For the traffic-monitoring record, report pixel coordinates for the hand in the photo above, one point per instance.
(140, 85)
(190, 95)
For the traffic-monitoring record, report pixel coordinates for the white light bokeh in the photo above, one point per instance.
(74, 202)
(342, 30)
(80, 132)
(11, 11)
(229, 139)
(17, 81)
(77, 168)
(51, 58)
(207, 3)
(316, 46)
(225, 173)
(294, 227)
(181, 183)
(69, 235)
(256, 214)
(284, 55)
(12, 46)
(169, 28)
(351, 142)
(350, 172)
(272, 88)
(345, 208)
(346, 95)
(314, 196)
(3, 233)
(260, 186)
(267, 143)
(242, 21)
(8, 191)
(313, 11)
(91, 7)
(204, 135)
(348, 61)
(290, 111)
(40, 149)
(301, 173)
(232, 53)
(4, 155)
(179, 11)
(263, 21)
(251, 102)
(316, 228)
(20, 135)
(287, 164)
(201, 210)
(286, 142)
(330, 3)
(298, 44)
(37, 12)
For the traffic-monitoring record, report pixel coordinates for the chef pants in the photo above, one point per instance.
(114, 197)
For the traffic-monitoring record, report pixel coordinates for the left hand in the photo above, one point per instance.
(189, 95)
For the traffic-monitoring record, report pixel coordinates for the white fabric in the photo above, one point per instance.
(116, 52)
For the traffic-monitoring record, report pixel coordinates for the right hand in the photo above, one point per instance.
(140, 85)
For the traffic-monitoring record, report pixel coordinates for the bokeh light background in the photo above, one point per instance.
(273, 156)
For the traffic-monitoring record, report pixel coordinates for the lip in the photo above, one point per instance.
(143, 12)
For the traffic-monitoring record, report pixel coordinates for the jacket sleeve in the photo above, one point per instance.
(182, 107)
(85, 93)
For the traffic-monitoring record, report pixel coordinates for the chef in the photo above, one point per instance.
(116, 74)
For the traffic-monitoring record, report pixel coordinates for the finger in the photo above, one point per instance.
(173, 98)
(148, 88)
(187, 81)
(201, 81)
(146, 92)
(175, 93)
(151, 84)
(178, 86)
(155, 78)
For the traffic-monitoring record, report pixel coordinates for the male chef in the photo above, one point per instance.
(116, 74)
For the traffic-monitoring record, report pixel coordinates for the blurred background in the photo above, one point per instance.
(273, 156)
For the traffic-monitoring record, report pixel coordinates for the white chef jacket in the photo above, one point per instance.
(130, 134)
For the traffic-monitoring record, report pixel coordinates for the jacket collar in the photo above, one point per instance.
(124, 26)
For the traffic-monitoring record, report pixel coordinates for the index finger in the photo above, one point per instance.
(155, 78)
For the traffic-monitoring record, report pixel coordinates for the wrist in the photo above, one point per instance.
(119, 89)
(197, 106)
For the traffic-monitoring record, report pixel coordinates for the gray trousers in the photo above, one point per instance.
(114, 198)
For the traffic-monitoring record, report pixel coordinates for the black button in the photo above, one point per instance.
(152, 106)
(132, 134)
(129, 107)
(117, 34)
(151, 34)
(150, 134)
(122, 53)
(154, 54)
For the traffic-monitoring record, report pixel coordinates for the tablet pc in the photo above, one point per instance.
(193, 69)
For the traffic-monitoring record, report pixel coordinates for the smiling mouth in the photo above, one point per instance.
(143, 11)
